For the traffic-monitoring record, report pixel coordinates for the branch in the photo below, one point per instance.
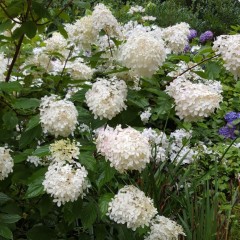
(18, 47)
(8, 15)
(204, 60)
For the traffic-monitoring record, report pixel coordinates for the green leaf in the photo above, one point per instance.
(28, 136)
(42, 151)
(5, 232)
(45, 205)
(79, 96)
(35, 188)
(103, 203)
(213, 70)
(4, 198)
(29, 28)
(88, 214)
(40, 233)
(9, 218)
(137, 99)
(40, 10)
(62, 31)
(26, 103)
(10, 120)
(82, 4)
(88, 161)
(72, 210)
(106, 174)
(10, 86)
(33, 122)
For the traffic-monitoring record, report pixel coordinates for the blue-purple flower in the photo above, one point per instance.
(193, 34)
(187, 48)
(228, 131)
(208, 35)
(231, 128)
(231, 116)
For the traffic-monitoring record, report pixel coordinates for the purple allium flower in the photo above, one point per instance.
(208, 35)
(228, 131)
(187, 48)
(193, 34)
(231, 116)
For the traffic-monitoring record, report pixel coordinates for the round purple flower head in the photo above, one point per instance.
(228, 131)
(208, 35)
(193, 34)
(187, 48)
(231, 116)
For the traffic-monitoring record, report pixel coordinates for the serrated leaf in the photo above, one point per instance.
(106, 175)
(40, 233)
(33, 122)
(10, 86)
(88, 214)
(5, 232)
(26, 103)
(9, 218)
(4, 198)
(103, 203)
(42, 151)
(10, 120)
(88, 161)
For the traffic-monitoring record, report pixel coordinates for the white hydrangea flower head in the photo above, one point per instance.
(146, 115)
(103, 19)
(58, 117)
(6, 162)
(66, 182)
(3, 67)
(136, 9)
(162, 228)
(176, 37)
(82, 32)
(125, 149)
(229, 48)
(56, 43)
(64, 150)
(79, 70)
(107, 97)
(142, 53)
(194, 101)
(131, 206)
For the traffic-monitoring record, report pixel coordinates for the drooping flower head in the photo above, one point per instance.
(107, 97)
(131, 206)
(162, 228)
(57, 117)
(142, 53)
(66, 182)
(192, 34)
(125, 148)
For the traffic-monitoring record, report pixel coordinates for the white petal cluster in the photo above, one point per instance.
(159, 143)
(176, 37)
(82, 33)
(3, 67)
(64, 150)
(142, 53)
(79, 70)
(195, 101)
(66, 182)
(131, 206)
(146, 115)
(56, 43)
(229, 48)
(125, 149)
(180, 150)
(136, 9)
(6, 163)
(58, 117)
(104, 20)
(162, 228)
(149, 18)
(106, 97)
